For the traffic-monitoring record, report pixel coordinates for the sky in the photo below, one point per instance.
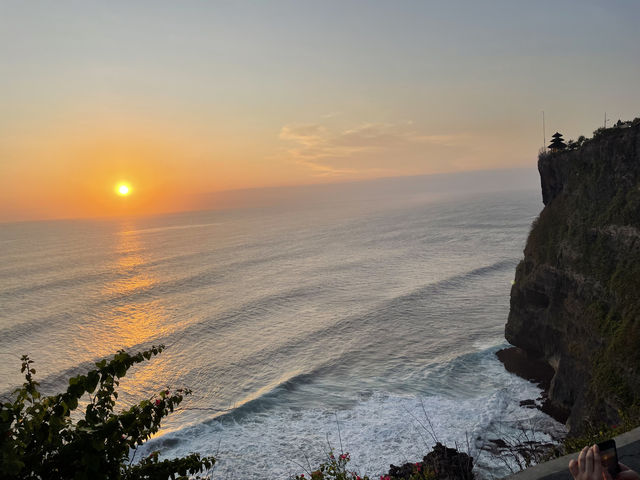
(183, 99)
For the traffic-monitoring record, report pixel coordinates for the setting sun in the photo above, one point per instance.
(123, 189)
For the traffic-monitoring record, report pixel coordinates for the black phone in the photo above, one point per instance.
(609, 456)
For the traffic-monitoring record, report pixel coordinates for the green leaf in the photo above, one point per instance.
(92, 381)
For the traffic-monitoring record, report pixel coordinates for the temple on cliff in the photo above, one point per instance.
(557, 143)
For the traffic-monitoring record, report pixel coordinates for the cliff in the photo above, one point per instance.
(575, 302)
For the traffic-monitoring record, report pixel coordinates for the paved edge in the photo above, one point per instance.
(561, 465)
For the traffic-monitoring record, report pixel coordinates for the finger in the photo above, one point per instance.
(623, 467)
(582, 458)
(597, 462)
(573, 468)
(588, 467)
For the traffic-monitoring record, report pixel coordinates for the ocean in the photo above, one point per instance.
(359, 318)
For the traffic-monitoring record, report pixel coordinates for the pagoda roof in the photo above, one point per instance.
(557, 135)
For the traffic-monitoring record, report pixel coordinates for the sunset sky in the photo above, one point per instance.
(182, 99)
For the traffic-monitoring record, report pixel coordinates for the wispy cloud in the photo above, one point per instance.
(307, 135)
(324, 170)
(384, 135)
(332, 115)
(368, 148)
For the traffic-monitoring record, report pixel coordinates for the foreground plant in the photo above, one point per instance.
(335, 468)
(38, 438)
(629, 419)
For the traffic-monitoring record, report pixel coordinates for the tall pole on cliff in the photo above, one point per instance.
(544, 134)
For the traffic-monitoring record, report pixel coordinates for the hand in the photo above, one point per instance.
(626, 473)
(589, 465)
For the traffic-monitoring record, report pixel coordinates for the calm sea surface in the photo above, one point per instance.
(336, 320)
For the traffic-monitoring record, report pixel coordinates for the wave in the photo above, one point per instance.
(376, 429)
(170, 227)
(53, 284)
(410, 314)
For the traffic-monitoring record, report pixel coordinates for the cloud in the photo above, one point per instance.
(306, 135)
(323, 170)
(331, 114)
(384, 135)
(368, 148)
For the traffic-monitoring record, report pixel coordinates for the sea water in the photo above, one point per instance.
(363, 322)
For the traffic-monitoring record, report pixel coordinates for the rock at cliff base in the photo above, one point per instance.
(442, 463)
(517, 361)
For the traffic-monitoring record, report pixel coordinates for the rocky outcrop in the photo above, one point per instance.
(441, 463)
(575, 303)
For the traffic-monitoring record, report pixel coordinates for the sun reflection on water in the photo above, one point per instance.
(136, 315)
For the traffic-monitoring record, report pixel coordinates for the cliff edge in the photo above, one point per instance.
(575, 302)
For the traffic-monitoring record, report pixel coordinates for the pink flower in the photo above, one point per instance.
(166, 392)
(157, 401)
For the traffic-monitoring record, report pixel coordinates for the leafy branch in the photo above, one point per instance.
(38, 438)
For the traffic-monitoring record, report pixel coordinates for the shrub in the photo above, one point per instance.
(335, 468)
(629, 420)
(39, 439)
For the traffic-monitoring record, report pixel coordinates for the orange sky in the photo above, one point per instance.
(181, 101)
(73, 167)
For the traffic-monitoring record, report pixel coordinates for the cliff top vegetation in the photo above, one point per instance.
(598, 133)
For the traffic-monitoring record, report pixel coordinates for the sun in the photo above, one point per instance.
(123, 189)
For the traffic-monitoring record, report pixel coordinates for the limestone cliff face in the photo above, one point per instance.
(576, 298)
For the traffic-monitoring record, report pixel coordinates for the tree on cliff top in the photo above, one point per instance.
(38, 438)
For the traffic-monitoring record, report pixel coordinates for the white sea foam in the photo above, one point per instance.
(379, 430)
